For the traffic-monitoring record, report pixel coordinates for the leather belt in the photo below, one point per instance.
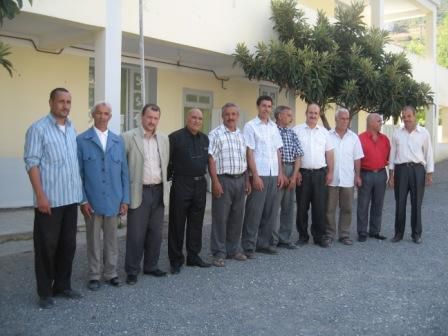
(289, 163)
(373, 170)
(312, 170)
(152, 185)
(409, 164)
(235, 176)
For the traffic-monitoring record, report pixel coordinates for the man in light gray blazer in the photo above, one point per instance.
(147, 152)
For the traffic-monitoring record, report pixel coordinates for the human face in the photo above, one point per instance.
(284, 118)
(375, 122)
(101, 117)
(150, 120)
(312, 115)
(194, 121)
(342, 121)
(264, 110)
(230, 117)
(60, 106)
(409, 119)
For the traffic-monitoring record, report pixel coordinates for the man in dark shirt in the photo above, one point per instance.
(187, 167)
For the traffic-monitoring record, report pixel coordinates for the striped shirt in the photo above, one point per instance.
(291, 149)
(54, 153)
(228, 149)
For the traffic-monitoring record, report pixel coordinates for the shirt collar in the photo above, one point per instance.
(53, 120)
(418, 128)
(225, 129)
(259, 121)
(105, 133)
(316, 127)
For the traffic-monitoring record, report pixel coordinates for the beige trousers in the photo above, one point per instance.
(344, 198)
(94, 225)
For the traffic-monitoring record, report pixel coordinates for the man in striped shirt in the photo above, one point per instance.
(227, 166)
(52, 165)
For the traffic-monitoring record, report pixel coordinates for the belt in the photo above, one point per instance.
(152, 185)
(313, 170)
(373, 170)
(194, 178)
(409, 164)
(235, 176)
(289, 163)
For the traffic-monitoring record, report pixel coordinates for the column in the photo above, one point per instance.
(377, 13)
(108, 63)
(432, 111)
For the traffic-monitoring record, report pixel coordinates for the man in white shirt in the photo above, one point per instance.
(411, 164)
(264, 161)
(347, 168)
(316, 173)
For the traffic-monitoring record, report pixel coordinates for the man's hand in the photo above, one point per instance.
(87, 210)
(391, 180)
(217, 189)
(329, 178)
(358, 181)
(123, 209)
(248, 188)
(282, 180)
(429, 179)
(299, 178)
(257, 183)
(292, 182)
(43, 205)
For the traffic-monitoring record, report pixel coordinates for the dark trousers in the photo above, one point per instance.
(312, 191)
(144, 232)
(54, 248)
(409, 180)
(187, 205)
(371, 193)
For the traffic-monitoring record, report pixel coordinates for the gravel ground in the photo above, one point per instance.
(371, 288)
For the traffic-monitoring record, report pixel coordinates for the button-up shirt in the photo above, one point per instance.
(291, 149)
(315, 142)
(228, 149)
(152, 171)
(412, 147)
(346, 150)
(264, 139)
(376, 153)
(102, 136)
(54, 153)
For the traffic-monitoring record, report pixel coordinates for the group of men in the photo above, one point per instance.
(256, 177)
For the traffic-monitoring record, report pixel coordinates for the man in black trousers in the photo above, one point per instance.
(187, 167)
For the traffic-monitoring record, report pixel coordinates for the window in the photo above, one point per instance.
(270, 91)
(202, 100)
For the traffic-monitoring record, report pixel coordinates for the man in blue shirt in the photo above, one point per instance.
(52, 165)
(105, 180)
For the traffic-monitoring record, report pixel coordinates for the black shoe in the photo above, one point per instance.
(377, 236)
(197, 261)
(396, 239)
(68, 294)
(175, 269)
(362, 238)
(289, 246)
(302, 242)
(323, 243)
(114, 282)
(156, 273)
(267, 250)
(93, 285)
(46, 302)
(131, 279)
(417, 240)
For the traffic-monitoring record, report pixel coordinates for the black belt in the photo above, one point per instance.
(409, 164)
(235, 176)
(373, 171)
(152, 185)
(312, 170)
(194, 178)
(289, 163)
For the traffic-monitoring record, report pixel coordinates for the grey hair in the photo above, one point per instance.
(279, 109)
(370, 116)
(228, 105)
(409, 108)
(339, 111)
(98, 104)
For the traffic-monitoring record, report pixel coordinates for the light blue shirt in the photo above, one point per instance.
(54, 153)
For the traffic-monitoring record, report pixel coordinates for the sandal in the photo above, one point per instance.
(218, 262)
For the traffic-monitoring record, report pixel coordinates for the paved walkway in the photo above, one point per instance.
(371, 288)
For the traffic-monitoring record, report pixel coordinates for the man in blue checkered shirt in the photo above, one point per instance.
(291, 154)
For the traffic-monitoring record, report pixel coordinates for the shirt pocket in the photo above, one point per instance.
(54, 153)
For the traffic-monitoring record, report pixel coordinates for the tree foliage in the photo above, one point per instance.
(341, 63)
(8, 9)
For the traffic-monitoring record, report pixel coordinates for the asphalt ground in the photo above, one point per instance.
(371, 288)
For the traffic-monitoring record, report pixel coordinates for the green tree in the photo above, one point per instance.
(8, 9)
(341, 63)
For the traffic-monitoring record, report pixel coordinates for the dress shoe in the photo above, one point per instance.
(417, 240)
(93, 285)
(323, 243)
(46, 302)
(288, 246)
(301, 242)
(131, 279)
(114, 282)
(396, 239)
(175, 269)
(250, 254)
(362, 238)
(346, 241)
(377, 236)
(267, 250)
(237, 256)
(157, 273)
(197, 261)
(68, 294)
